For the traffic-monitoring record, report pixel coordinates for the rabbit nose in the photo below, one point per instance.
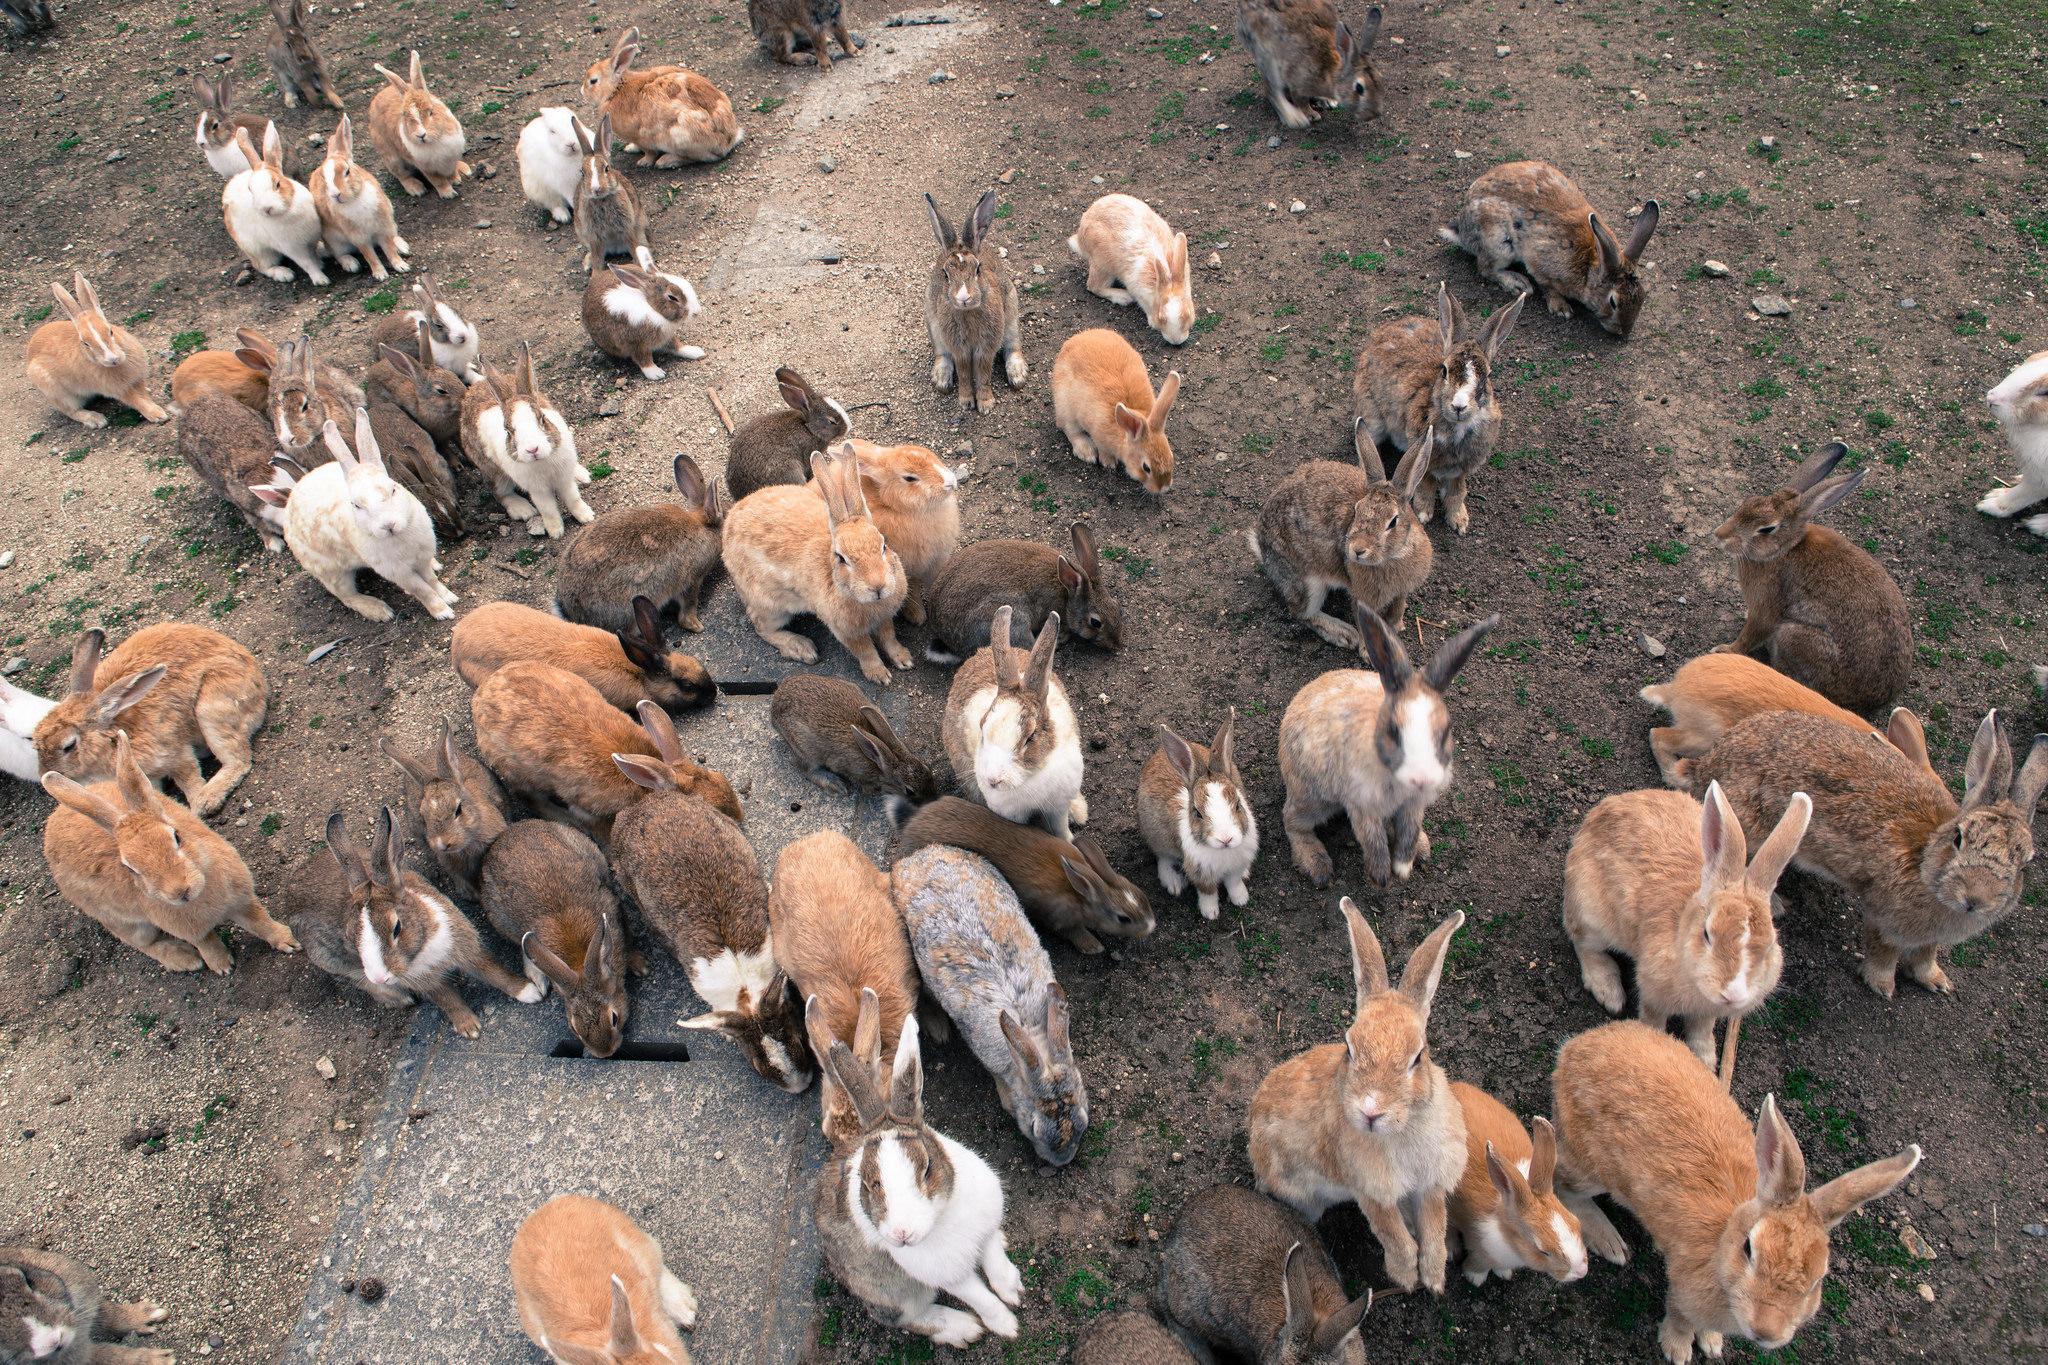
(1225, 840)
(1735, 995)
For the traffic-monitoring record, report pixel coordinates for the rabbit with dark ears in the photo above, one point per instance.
(1010, 731)
(547, 888)
(842, 741)
(1529, 214)
(971, 309)
(628, 666)
(1194, 816)
(51, 1307)
(459, 806)
(776, 447)
(409, 376)
(373, 923)
(1309, 57)
(785, 28)
(417, 137)
(300, 70)
(1035, 581)
(609, 218)
(355, 213)
(409, 448)
(514, 433)
(215, 133)
(664, 552)
(302, 395)
(457, 345)
(1821, 610)
(90, 356)
(632, 313)
(230, 448)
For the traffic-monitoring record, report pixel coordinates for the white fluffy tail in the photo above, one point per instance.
(1655, 695)
(1251, 538)
(938, 654)
(1074, 244)
(1451, 235)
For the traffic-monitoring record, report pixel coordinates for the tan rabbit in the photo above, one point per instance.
(836, 932)
(1530, 214)
(1821, 610)
(1105, 407)
(1310, 57)
(355, 213)
(1710, 695)
(171, 689)
(913, 497)
(667, 114)
(1330, 526)
(1418, 377)
(1661, 877)
(627, 668)
(459, 805)
(417, 137)
(1745, 1246)
(1505, 1213)
(791, 551)
(1371, 1119)
(220, 372)
(89, 357)
(1134, 256)
(591, 1288)
(663, 552)
(145, 869)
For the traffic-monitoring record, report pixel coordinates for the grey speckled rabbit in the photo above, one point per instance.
(50, 1306)
(971, 309)
(609, 218)
(300, 69)
(981, 960)
(1241, 1274)
(840, 738)
(1310, 57)
(776, 447)
(1530, 214)
(1129, 1339)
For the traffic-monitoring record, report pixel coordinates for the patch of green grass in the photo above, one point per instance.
(1256, 443)
(1667, 551)
(1134, 564)
(271, 825)
(1869, 1240)
(1365, 262)
(1083, 1290)
(1770, 154)
(1835, 1126)
(1206, 323)
(383, 301)
(1971, 322)
(31, 316)
(769, 104)
(184, 343)
(600, 468)
(1766, 387)
(1512, 782)
(1273, 350)
(525, 555)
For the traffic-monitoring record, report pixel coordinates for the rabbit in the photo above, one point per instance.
(796, 550)
(378, 926)
(1692, 914)
(904, 1212)
(171, 689)
(1419, 376)
(665, 113)
(610, 220)
(410, 377)
(1529, 214)
(1129, 1338)
(550, 736)
(1194, 816)
(1926, 872)
(409, 448)
(230, 448)
(971, 309)
(300, 70)
(837, 935)
(693, 875)
(457, 345)
(626, 668)
(631, 314)
(51, 1306)
(215, 132)
(355, 213)
(913, 497)
(20, 712)
(1709, 695)
(1010, 731)
(2020, 403)
(551, 160)
(784, 28)
(90, 356)
(1309, 57)
(841, 740)
(1371, 1119)
(1133, 256)
(1034, 580)
(663, 552)
(352, 515)
(1821, 610)
(1331, 525)
(270, 216)
(1067, 888)
(513, 433)
(776, 447)
(459, 806)
(547, 888)
(149, 872)
(220, 372)
(1745, 1246)
(1505, 1214)
(982, 962)
(591, 1288)
(1340, 732)
(1104, 405)
(1241, 1274)
(26, 16)
(417, 137)
(301, 394)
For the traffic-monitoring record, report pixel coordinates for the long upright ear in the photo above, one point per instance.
(1819, 467)
(1021, 1046)
(825, 476)
(1370, 34)
(343, 146)
(1038, 670)
(86, 295)
(1009, 671)
(445, 764)
(625, 1337)
(138, 793)
(118, 696)
(367, 450)
(867, 1030)
(343, 846)
(1780, 1165)
(1987, 774)
(330, 435)
(661, 730)
(528, 385)
(1783, 842)
(1179, 756)
(87, 802)
(1449, 660)
(634, 646)
(1724, 854)
(2033, 777)
(1450, 319)
(690, 483)
(1826, 494)
(1543, 1163)
(1909, 737)
(1383, 649)
(1500, 327)
(1368, 963)
(1169, 391)
(941, 229)
(416, 773)
(647, 622)
(251, 154)
(423, 339)
(1130, 420)
(1603, 240)
(795, 392)
(1503, 1185)
(551, 966)
(1426, 964)
(414, 75)
(982, 219)
(1296, 1296)
(906, 1078)
(85, 660)
(273, 148)
(1408, 474)
(1646, 224)
(1222, 755)
(405, 365)
(1847, 1193)
(1084, 557)
(389, 848)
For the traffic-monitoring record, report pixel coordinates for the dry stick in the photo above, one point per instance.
(915, 21)
(1728, 1054)
(885, 403)
(719, 406)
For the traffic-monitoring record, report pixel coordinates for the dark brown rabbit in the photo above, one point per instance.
(230, 448)
(663, 553)
(430, 395)
(1821, 610)
(776, 447)
(609, 219)
(1310, 57)
(408, 447)
(784, 28)
(459, 805)
(1033, 580)
(839, 738)
(300, 69)
(547, 888)
(971, 309)
(1242, 1274)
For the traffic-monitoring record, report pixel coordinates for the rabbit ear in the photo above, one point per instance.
(625, 1337)
(416, 772)
(388, 74)
(1501, 326)
(1371, 32)
(1296, 1296)
(119, 696)
(661, 730)
(87, 802)
(1449, 317)
(1414, 466)
(1449, 660)
(528, 385)
(867, 1030)
(1769, 863)
(1987, 774)
(631, 276)
(645, 772)
(343, 846)
(367, 451)
(1332, 1330)
(1780, 1165)
(1383, 649)
(1723, 853)
(398, 361)
(1603, 241)
(1021, 1046)
(69, 304)
(137, 791)
(1646, 224)
(445, 765)
(1179, 756)
(1081, 877)
(1038, 668)
(86, 295)
(1847, 1193)
(876, 726)
(983, 217)
(634, 646)
(1368, 452)
(2033, 777)
(330, 434)
(390, 848)
(1058, 1021)
(1909, 737)
(1426, 964)
(85, 660)
(1009, 673)
(343, 147)
(1084, 558)
(795, 392)
(906, 1078)
(1826, 494)
(416, 77)
(273, 148)
(872, 747)
(647, 621)
(940, 227)
(551, 966)
(690, 483)
(1497, 1175)
(1169, 391)
(1543, 1163)
(1819, 467)
(1368, 963)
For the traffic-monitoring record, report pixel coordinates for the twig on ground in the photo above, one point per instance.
(718, 405)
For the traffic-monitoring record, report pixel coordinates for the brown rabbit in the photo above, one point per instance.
(663, 552)
(409, 449)
(1505, 1213)
(220, 372)
(170, 689)
(1241, 1274)
(1330, 525)
(784, 28)
(1710, 695)
(1530, 214)
(971, 309)
(89, 357)
(230, 448)
(1310, 57)
(303, 394)
(50, 1304)
(1129, 1338)
(776, 447)
(665, 113)
(840, 738)
(609, 220)
(1821, 610)
(548, 889)
(457, 345)
(408, 375)
(1194, 816)
(632, 313)
(1035, 581)
(300, 70)
(628, 667)
(1011, 734)
(1105, 407)
(459, 805)
(417, 137)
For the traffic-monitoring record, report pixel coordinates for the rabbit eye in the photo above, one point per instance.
(1766, 530)
(1749, 1248)
(396, 927)
(1707, 937)
(1393, 521)
(910, 478)
(1146, 466)
(1415, 1061)
(70, 743)
(843, 560)
(614, 1018)
(1959, 841)
(1094, 621)
(174, 839)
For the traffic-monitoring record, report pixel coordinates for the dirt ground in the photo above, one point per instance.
(1881, 167)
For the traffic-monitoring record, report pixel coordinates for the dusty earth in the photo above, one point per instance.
(1880, 166)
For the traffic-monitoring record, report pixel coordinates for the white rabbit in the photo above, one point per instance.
(352, 515)
(270, 215)
(551, 159)
(514, 434)
(20, 713)
(2020, 403)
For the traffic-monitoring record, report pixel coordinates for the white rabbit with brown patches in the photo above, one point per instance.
(355, 213)
(271, 216)
(215, 132)
(1010, 731)
(91, 356)
(513, 433)
(1134, 256)
(1193, 815)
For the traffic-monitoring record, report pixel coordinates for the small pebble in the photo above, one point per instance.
(2037, 1229)
(6, 559)
(1916, 1246)
(1215, 261)
(325, 1066)
(1772, 305)
(1974, 156)
(1718, 269)
(482, 223)
(1980, 28)
(1006, 177)
(1273, 142)
(370, 1289)
(118, 155)
(487, 171)
(1909, 303)
(1926, 1292)
(1205, 59)
(1297, 207)
(15, 665)
(608, 408)
(223, 56)
(1095, 180)
(1501, 49)
(827, 164)
(1651, 645)
(1461, 156)
(1155, 13)
(1769, 144)
(1004, 92)
(938, 78)
(316, 139)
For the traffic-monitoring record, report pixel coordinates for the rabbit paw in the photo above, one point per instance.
(532, 993)
(1206, 902)
(951, 1327)
(692, 352)
(1930, 975)
(1401, 1268)
(2038, 524)
(1000, 1320)
(1006, 1280)
(1676, 1339)
(677, 1300)
(2002, 502)
(1710, 1345)
(1077, 809)
(652, 371)
(1315, 865)
(350, 264)
(1015, 370)
(281, 273)
(1460, 520)
(1170, 877)
(1239, 893)
(88, 419)
(942, 373)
